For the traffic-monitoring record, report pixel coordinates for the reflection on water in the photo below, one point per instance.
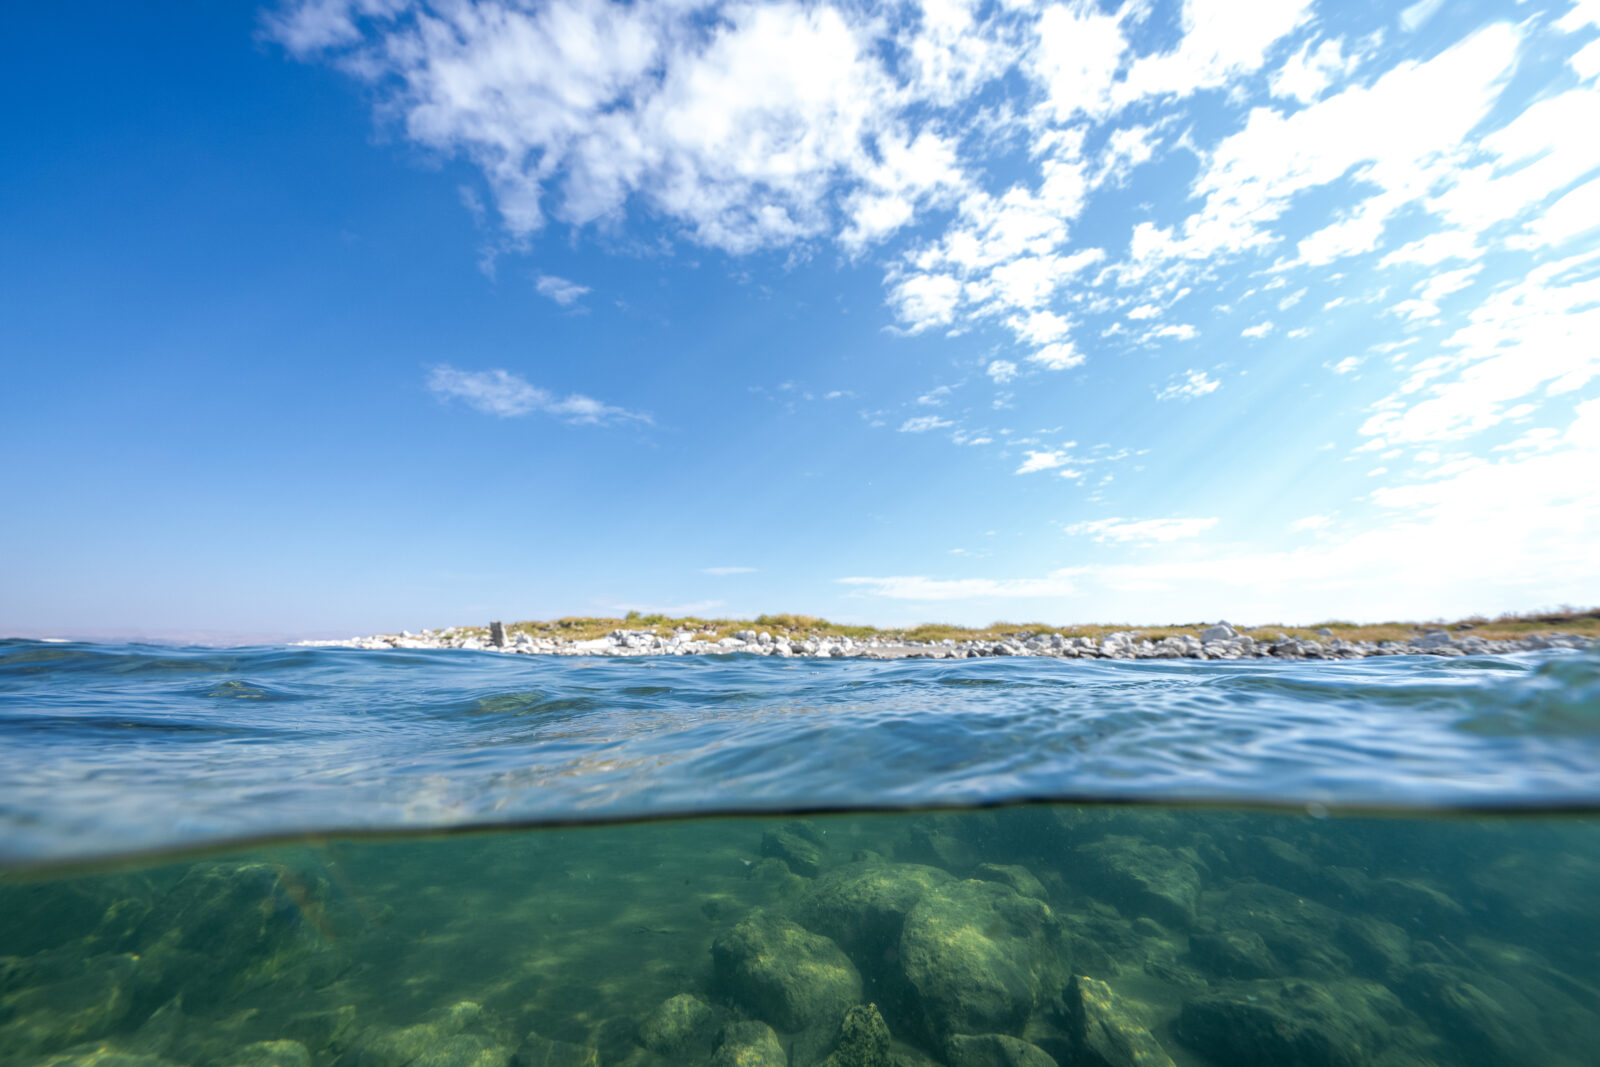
(1014, 937)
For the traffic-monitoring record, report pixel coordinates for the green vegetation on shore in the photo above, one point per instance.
(1584, 622)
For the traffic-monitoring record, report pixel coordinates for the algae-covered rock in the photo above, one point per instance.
(1017, 877)
(270, 1054)
(452, 1038)
(783, 973)
(226, 929)
(994, 1050)
(862, 906)
(683, 1025)
(1272, 1023)
(930, 843)
(864, 1040)
(1486, 1020)
(539, 1051)
(1376, 946)
(980, 958)
(803, 855)
(749, 1044)
(57, 999)
(1142, 878)
(1234, 954)
(1301, 934)
(1104, 1032)
(102, 1056)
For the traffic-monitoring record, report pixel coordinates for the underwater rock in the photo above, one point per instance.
(1375, 946)
(1104, 1032)
(862, 906)
(783, 973)
(226, 929)
(102, 1056)
(270, 1054)
(1487, 1021)
(683, 1025)
(537, 1051)
(1422, 905)
(444, 1041)
(864, 1039)
(802, 854)
(60, 998)
(980, 958)
(1017, 877)
(932, 845)
(1273, 1023)
(1300, 933)
(1234, 954)
(1144, 878)
(749, 1044)
(994, 1050)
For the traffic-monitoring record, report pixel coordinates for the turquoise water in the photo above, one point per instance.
(260, 857)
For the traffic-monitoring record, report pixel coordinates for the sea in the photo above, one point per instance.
(322, 857)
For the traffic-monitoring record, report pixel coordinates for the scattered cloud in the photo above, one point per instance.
(1188, 386)
(1002, 371)
(1311, 523)
(1142, 531)
(1260, 329)
(924, 423)
(502, 393)
(560, 290)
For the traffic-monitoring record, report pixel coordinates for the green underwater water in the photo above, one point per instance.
(1005, 937)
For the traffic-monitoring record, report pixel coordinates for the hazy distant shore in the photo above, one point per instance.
(790, 636)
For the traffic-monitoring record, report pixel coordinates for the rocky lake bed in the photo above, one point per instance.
(1039, 936)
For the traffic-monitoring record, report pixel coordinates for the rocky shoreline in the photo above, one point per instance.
(1219, 641)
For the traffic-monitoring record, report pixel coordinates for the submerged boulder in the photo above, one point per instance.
(683, 1025)
(1017, 877)
(1143, 878)
(537, 1050)
(270, 1054)
(1234, 954)
(862, 906)
(980, 958)
(1311, 1024)
(863, 1040)
(1486, 1020)
(798, 845)
(749, 1044)
(454, 1037)
(783, 973)
(995, 1050)
(60, 998)
(1104, 1033)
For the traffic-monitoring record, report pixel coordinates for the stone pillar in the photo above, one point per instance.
(497, 634)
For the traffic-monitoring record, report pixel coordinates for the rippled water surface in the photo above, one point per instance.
(107, 749)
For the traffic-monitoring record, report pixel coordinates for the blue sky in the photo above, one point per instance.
(332, 316)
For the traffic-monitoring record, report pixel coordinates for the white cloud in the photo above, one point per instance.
(1260, 329)
(560, 290)
(1435, 248)
(924, 423)
(1188, 386)
(1586, 61)
(1178, 331)
(1575, 214)
(1059, 356)
(1002, 371)
(1310, 523)
(1222, 39)
(1412, 18)
(1533, 337)
(721, 572)
(1043, 461)
(1142, 531)
(1144, 311)
(1308, 73)
(499, 392)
